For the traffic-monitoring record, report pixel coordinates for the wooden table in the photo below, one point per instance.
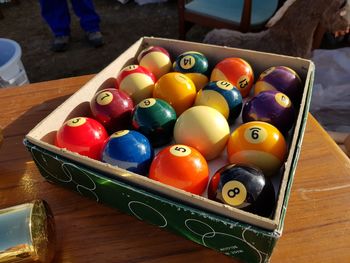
(317, 225)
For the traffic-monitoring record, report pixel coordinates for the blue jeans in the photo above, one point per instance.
(56, 14)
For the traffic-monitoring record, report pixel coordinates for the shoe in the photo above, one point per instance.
(95, 38)
(60, 44)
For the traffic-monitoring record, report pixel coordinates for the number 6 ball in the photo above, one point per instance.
(257, 143)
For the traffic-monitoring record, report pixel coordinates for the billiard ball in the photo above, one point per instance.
(222, 96)
(155, 119)
(136, 81)
(82, 135)
(270, 106)
(176, 89)
(283, 79)
(181, 166)
(237, 71)
(257, 143)
(129, 150)
(191, 62)
(199, 80)
(156, 59)
(204, 129)
(244, 187)
(112, 108)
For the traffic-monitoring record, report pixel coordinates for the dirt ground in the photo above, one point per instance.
(121, 25)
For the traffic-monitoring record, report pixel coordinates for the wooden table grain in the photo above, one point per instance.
(317, 225)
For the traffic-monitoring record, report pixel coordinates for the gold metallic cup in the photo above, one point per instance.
(27, 233)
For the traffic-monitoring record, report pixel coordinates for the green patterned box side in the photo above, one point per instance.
(236, 239)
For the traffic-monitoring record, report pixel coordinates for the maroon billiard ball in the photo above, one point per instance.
(82, 135)
(270, 106)
(112, 108)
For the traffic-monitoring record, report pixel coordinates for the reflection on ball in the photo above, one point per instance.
(258, 143)
(204, 129)
(244, 187)
(182, 167)
(236, 71)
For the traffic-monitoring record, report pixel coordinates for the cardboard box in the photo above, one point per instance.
(242, 235)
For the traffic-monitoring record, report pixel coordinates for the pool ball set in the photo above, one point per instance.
(167, 120)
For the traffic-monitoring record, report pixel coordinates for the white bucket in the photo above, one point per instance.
(12, 72)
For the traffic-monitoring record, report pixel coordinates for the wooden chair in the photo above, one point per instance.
(241, 15)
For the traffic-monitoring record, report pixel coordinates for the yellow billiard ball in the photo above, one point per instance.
(176, 89)
(257, 143)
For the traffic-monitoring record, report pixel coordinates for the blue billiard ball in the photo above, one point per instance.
(129, 150)
(222, 96)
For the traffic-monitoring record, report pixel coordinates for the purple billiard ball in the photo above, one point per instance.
(112, 108)
(270, 106)
(283, 79)
(129, 150)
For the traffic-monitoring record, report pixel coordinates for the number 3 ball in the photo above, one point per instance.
(222, 96)
(236, 71)
(270, 106)
(203, 128)
(85, 136)
(257, 143)
(155, 119)
(112, 108)
(182, 167)
(244, 187)
(129, 150)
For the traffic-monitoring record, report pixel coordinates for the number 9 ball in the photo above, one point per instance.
(257, 143)
(244, 187)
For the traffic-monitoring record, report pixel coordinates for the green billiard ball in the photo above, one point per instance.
(155, 119)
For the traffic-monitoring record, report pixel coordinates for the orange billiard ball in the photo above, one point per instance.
(176, 89)
(182, 167)
(236, 71)
(257, 143)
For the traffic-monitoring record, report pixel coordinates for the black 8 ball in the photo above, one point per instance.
(244, 187)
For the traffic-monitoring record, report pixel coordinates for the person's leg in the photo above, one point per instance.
(56, 14)
(89, 20)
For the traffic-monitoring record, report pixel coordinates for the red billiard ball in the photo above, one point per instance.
(182, 167)
(82, 135)
(112, 108)
(237, 71)
(156, 59)
(137, 81)
(244, 187)
(283, 79)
